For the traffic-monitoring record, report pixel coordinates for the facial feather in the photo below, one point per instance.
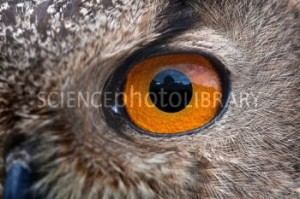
(74, 46)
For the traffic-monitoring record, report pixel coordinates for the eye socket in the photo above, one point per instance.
(172, 94)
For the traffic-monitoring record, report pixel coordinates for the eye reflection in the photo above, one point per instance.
(171, 91)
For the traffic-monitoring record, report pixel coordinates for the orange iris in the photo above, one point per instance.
(194, 70)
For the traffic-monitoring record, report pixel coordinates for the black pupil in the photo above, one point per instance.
(171, 91)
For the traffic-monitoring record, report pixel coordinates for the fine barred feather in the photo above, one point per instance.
(63, 46)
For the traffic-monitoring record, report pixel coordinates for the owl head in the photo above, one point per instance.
(149, 99)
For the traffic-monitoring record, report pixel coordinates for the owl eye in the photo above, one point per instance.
(174, 93)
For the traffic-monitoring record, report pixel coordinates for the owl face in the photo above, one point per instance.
(82, 115)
